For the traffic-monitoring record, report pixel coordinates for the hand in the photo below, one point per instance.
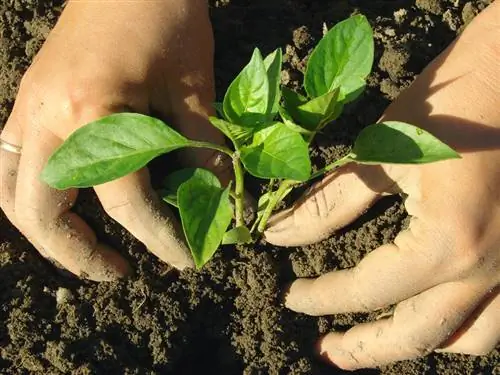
(105, 57)
(444, 271)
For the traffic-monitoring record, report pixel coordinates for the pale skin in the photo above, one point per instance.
(442, 273)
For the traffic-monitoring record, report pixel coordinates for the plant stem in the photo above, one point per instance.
(213, 146)
(273, 201)
(239, 190)
(339, 163)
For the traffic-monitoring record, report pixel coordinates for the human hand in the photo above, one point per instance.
(105, 57)
(443, 272)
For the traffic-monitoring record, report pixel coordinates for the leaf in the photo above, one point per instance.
(219, 107)
(342, 59)
(109, 148)
(313, 114)
(399, 143)
(172, 182)
(273, 64)
(290, 122)
(238, 235)
(277, 152)
(206, 213)
(318, 111)
(239, 135)
(247, 98)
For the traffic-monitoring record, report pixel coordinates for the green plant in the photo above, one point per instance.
(266, 148)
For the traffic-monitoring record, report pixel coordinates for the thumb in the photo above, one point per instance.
(331, 204)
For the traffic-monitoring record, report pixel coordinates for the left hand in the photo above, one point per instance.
(444, 271)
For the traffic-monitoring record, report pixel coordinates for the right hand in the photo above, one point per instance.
(105, 57)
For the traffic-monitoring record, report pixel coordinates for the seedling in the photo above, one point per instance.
(270, 129)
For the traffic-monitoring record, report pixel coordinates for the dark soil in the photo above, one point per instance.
(227, 318)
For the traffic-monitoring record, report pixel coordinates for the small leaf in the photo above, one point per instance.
(219, 107)
(247, 99)
(342, 59)
(399, 143)
(238, 235)
(206, 213)
(109, 148)
(290, 122)
(273, 64)
(239, 135)
(277, 152)
(172, 182)
(319, 111)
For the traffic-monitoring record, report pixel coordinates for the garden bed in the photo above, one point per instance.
(227, 318)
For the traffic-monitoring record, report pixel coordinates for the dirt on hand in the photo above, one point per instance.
(229, 317)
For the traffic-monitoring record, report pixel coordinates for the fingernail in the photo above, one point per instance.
(280, 222)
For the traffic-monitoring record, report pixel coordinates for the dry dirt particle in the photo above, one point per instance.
(431, 6)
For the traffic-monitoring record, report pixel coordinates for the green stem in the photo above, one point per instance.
(239, 191)
(339, 163)
(274, 200)
(213, 146)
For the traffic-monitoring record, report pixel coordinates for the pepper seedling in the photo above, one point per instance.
(270, 128)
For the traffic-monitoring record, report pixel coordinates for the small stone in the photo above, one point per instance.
(301, 37)
(431, 6)
(400, 16)
(469, 11)
(63, 296)
(451, 20)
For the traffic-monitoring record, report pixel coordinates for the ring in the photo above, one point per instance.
(9, 147)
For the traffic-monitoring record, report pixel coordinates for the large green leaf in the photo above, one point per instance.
(109, 148)
(400, 143)
(173, 181)
(277, 152)
(247, 98)
(273, 66)
(342, 59)
(206, 213)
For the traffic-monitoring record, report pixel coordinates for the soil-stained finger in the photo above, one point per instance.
(337, 200)
(43, 215)
(387, 275)
(132, 202)
(419, 325)
(481, 333)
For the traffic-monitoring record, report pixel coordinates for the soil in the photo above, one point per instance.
(229, 317)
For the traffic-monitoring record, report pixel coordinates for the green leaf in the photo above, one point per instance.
(399, 143)
(219, 107)
(206, 213)
(342, 59)
(109, 148)
(319, 111)
(239, 135)
(172, 182)
(247, 99)
(290, 122)
(238, 235)
(273, 64)
(277, 152)
(313, 114)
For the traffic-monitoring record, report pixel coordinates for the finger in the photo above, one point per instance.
(331, 204)
(415, 262)
(9, 164)
(418, 326)
(481, 333)
(43, 214)
(132, 202)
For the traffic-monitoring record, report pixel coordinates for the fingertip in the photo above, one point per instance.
(329, 349)
(107, 265)
(280, 229)
(298, 296)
